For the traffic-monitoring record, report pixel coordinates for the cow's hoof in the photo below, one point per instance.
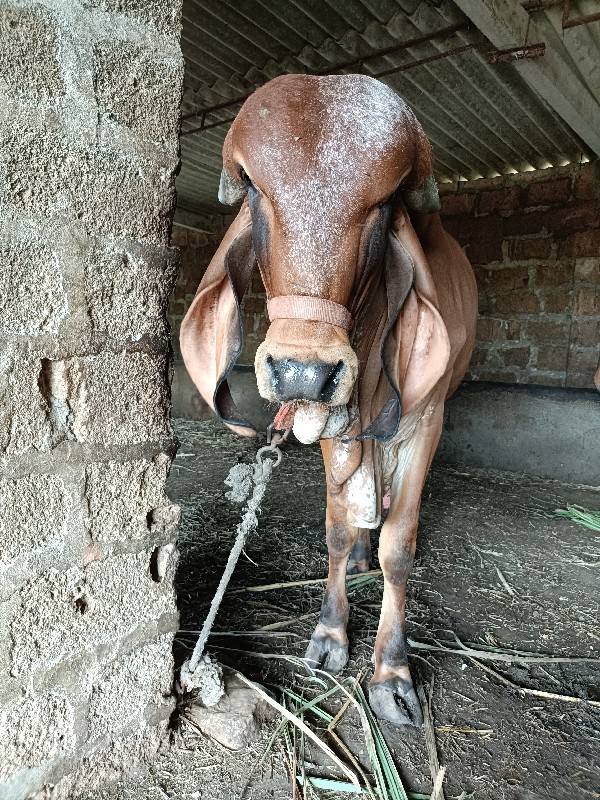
(396, 701)
(356, 567)
(326, 654)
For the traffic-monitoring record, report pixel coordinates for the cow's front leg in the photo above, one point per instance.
(328, 646)
(391, 692)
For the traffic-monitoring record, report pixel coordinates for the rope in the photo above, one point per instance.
(241, 477)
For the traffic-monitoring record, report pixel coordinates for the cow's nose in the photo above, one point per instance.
(304, 380)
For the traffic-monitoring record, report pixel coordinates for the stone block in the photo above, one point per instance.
(553, 274)
(557, 302)
(109, 398)
(43, 171)
(587, 270)
(41, 728)
(164, 15)
(453, 204)
(30, 56)
(61, 614)
(23, 410)
(137, 88)
(127, 289)
(127, 500)
(122, 692)
(32, 297)
(34, 516)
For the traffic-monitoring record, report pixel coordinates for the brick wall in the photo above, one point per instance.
(534, 242)
(90, 109)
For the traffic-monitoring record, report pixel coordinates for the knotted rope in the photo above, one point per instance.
(198, 671)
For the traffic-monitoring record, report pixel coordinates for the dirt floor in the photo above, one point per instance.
(495, 570)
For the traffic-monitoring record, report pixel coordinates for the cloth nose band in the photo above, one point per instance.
(315, 309)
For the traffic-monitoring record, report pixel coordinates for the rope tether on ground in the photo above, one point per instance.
(199, 672)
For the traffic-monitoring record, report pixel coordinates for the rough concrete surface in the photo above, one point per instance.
(89, 105)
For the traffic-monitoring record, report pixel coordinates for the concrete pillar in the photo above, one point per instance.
(89, 113)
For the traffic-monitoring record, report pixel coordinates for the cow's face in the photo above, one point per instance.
(320, 159)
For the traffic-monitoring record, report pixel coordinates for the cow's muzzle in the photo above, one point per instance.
(316, 381)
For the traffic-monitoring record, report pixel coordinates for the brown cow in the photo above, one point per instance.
(372, 307)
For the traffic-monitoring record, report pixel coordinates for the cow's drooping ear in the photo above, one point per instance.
(230, 190)
(415, 348)
(212, 335)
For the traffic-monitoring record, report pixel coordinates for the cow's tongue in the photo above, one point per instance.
(309, 421)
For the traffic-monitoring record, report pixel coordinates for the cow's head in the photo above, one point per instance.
(323, 162)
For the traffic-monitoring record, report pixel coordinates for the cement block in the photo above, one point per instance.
(40, 728)
(32, 297)
(164, 15)
(61, 614)
(139, 89)
(34, 516)
(109, 398)
(124, 690)
(23, 410)
(29, 56)
(126, 500)
(43, 171)
(127, 289)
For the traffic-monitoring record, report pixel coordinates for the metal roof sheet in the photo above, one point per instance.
(482, 119)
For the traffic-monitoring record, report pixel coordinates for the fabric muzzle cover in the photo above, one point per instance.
(313, 309)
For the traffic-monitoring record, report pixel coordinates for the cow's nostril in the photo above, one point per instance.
(304, 380)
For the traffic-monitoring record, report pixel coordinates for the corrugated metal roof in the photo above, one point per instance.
(482, 119)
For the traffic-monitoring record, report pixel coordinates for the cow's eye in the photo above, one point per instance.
(246, 179)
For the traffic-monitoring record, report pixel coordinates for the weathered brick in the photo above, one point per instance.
(506, 278)
(587, 270)
(506, 199)
(32, 296)
(557, 302)
(543, 379)
(127, 290)
(585, 333)
(29, 56)
(484, 251)
(546, 331)
(61, 614)
(24, 420)
(44, 172)
(587, 184)
(553, 274)
(127, 688)
(453, 204)
(584, 360)
(34, 516)
(41, 728)
(136, 88)
(525, 249)
(517, 302)
(586, 302)
(582, 244)
(546, 193)
(515, 356)
(127, 500)
(552, 357)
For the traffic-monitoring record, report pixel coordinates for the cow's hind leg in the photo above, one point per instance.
(391, 691)
(360, 557)
(328, 647)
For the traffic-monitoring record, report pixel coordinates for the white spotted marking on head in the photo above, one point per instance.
(353, 115)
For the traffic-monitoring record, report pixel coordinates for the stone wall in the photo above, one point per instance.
(90, 96)
(534, 242)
